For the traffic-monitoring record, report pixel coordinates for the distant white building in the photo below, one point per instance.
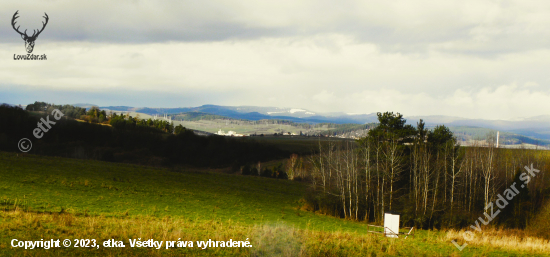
(229, 134)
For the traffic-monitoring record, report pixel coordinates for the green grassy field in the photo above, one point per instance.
(245, 127)
(56, 198)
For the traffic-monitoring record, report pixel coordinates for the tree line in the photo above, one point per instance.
(277, 171)
(424, 175)
(129, 143)
(68, 110)
(130, 123)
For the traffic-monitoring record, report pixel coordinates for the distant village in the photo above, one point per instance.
(229, 134)
(349, 135)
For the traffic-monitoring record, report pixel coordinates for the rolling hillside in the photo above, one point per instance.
(57, 198)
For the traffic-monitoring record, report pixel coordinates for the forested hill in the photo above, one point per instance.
(128, 142)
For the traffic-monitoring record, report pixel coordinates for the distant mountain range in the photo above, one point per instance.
(255, 113)
(535, 127)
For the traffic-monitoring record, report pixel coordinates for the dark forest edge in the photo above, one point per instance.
(128, 140)
(429, 179)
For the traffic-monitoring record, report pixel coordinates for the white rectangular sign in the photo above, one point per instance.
(391, 225)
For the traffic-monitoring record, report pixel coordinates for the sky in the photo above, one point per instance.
(471, 59)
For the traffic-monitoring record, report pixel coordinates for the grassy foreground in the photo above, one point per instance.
(56, 198)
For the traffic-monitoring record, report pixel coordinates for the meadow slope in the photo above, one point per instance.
(57, 198)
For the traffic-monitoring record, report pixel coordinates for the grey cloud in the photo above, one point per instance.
(424, 28)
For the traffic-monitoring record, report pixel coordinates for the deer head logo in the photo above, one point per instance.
(29, 41)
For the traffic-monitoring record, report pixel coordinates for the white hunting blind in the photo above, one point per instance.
(391, 225)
